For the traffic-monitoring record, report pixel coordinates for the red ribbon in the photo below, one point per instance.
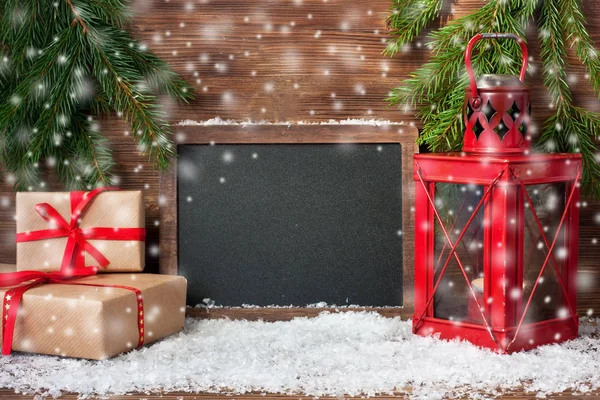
(77, 242)
(31, 279)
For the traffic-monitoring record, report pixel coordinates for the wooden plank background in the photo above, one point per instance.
(290, 61)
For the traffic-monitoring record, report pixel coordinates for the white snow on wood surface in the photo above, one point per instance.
(208, 303)
(354, 353)
(349, 121)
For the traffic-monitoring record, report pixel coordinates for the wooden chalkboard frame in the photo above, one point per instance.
(404, 135)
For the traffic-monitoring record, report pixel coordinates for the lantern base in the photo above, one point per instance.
(530, 336)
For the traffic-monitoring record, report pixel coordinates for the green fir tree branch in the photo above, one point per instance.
(63, 61)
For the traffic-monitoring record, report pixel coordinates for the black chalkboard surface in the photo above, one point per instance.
(290, 224)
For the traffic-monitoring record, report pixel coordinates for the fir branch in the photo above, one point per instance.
(153, 71)
(100, 103)
(554, 53)
(109, 12)
(78, 19)
(27, 33)
(23, 96)
(408, 20)
(98, 161)
(158, 75)
(574, 24)
(118, 80)
(60, 63)
(570, 129)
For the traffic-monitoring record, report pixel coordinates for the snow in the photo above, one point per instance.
(349, 121)
(354, 353)
(210, 303)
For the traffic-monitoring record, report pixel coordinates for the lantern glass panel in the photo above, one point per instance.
(456, 203)
(549, 204)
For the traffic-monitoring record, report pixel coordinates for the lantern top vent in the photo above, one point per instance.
(495, 81)
(497, 107)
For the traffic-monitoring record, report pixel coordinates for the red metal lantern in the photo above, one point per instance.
(496, 227)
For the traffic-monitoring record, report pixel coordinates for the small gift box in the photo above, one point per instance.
(93, 317)
(61, 230)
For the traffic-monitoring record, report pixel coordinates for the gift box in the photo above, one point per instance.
(96, 317)
(59, 230)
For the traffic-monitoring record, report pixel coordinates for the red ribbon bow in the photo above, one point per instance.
(12, 297)
(77, 242)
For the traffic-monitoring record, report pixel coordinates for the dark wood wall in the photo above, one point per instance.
(290, 61)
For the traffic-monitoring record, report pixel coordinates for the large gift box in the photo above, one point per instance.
(76, 318)
(60, 230)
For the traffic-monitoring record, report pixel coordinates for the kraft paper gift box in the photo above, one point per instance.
(121, 211)
(74, 320)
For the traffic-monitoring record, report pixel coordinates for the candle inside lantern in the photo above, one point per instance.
(473, 313)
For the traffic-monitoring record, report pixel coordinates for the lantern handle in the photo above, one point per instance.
(478, 37)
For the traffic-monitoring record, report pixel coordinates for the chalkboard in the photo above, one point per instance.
(291, 224)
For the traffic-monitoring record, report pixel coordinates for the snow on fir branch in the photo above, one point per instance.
(62, 63)
(436, 90)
